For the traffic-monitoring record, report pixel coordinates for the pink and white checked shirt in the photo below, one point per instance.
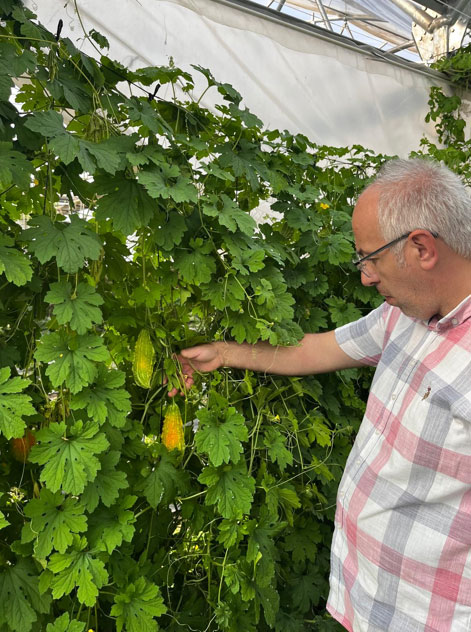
(401, 552)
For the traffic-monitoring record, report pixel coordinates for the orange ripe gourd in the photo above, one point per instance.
(21, 447)
(172, 430)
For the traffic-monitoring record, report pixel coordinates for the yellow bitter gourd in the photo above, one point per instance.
(172, 432)
(143, 362)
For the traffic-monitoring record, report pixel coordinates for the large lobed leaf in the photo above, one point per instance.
(14, 405)
(69, 457)
(72, 359)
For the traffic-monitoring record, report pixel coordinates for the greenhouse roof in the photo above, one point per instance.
(417, 32)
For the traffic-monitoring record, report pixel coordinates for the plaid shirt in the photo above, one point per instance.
(401, 553)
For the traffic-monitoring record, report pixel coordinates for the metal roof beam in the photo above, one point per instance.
(420, 17)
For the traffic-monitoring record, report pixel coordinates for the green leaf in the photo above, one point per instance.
(47, 124)
(231, 532)
(77, 307)
(107, 483)
(99, 39)
(166, 182)
(77, 569)
(137, 606)
(14, 405)
(71, 358)
(277, 450)
(302, 542)
(70, 462)
(196, 266)
(64, 624)
(285, 497)
(227, 292)
(230, 488)
(14, 61)
(14, 167)
(13, 263)
(6, 84)
(54, 518)
(247, 258)
(183, 191)
(105, 400)
(231, 216)
(243, 163)
(105, 155)
(70, 243)
(110, 527)
(170, 232)
(242, 326)
(220, 434)
(3, 521)
(20, 600)
(341, 311)
(336, 249)
(66, 146)
(318, 431)
(261, 549)
(76, 93)
(270, 600)
(161, 485)
(126, 203)
(307, 591)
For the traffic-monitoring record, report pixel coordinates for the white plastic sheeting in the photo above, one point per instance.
(290, 78)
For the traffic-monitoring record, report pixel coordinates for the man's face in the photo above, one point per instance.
(401, 284)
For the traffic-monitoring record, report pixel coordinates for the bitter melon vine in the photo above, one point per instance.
(131, 211)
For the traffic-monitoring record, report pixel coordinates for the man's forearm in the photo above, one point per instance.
(316, 353)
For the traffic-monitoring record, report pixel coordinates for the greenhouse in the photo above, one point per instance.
(235, 353)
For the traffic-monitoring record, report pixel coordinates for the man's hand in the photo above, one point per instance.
(201, 359)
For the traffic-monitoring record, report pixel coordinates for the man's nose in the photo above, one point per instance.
(371, 279)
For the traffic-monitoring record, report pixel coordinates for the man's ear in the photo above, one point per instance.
(424, 248)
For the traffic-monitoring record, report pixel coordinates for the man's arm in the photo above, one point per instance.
(316, 353)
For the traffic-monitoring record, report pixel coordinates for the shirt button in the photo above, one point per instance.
(378, 432)
(454, 321)
(393, 397)
(358, 461)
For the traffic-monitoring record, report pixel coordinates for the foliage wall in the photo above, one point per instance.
(123, 212)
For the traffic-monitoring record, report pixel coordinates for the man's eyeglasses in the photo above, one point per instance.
(360, 263)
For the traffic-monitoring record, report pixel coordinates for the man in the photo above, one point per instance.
(401, 551)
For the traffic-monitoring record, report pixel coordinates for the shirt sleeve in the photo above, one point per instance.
(363, 340)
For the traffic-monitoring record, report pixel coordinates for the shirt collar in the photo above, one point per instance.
(457, 316)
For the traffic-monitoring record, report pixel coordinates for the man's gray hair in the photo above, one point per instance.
(420, 193)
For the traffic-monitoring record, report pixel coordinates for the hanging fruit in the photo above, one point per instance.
(21, 447)
(143, 361)
(172, 431)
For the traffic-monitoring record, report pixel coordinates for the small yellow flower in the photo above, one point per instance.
(323, 205)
